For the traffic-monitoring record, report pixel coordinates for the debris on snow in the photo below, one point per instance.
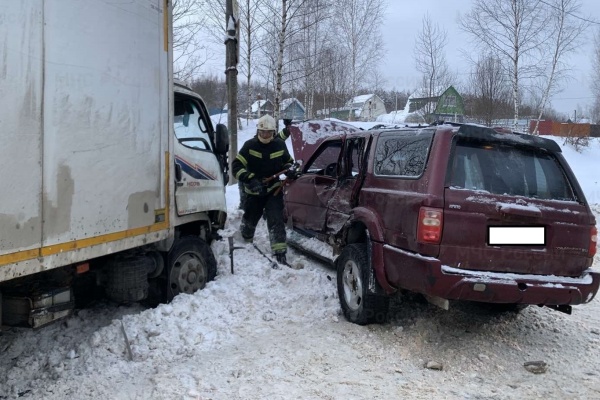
(434, 365)
(536, 367)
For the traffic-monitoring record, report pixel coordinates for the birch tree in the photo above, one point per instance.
(289, 18)
(430, 59)
(514, 31)
(564, 38)
(595, 77)
(358, 25)
(315, 39)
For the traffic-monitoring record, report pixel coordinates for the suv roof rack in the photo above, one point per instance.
(442, 122)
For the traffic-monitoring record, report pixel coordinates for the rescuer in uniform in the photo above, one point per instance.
(258, 161)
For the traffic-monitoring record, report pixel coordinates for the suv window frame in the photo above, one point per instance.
(412, 133)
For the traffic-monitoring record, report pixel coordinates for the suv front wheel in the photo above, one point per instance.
(359, 306)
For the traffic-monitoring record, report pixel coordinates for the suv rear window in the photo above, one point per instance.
(402, 153)
(504, 169)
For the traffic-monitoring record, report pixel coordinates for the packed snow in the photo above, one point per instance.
(261, 333)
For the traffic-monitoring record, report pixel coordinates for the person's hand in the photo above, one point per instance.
(292, 174)
(292, 171)
(287, 121)
(255, 185)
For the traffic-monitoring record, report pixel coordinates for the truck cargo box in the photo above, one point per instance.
(85, 130)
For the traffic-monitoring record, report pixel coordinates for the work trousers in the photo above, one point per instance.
(272, 207)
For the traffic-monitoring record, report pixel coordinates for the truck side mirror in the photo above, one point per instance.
(222, 139)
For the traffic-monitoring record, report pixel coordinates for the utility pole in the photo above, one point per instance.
(231, 61)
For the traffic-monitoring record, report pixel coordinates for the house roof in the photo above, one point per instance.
(285, 103)
(358, 101)
(423, 93)
(257, 105)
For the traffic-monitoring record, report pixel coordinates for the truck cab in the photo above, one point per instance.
(200, 158)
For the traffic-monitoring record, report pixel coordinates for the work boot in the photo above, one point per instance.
(247, 239)
(280, 257)
(240, 238)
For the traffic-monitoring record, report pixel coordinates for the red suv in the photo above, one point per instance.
(453, 212)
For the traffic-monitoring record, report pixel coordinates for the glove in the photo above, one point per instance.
(287, 121)
(255, 186)
(292, 171)
(293, 174)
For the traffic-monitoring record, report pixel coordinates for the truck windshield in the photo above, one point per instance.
(190, 126)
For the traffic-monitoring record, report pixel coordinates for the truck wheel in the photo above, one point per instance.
(190, 265)
(359, 306)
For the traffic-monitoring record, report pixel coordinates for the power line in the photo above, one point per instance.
(571, 13)
(574, 98)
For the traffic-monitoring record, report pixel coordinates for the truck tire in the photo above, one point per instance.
(190, 265)
(359, 306)
(127, 278)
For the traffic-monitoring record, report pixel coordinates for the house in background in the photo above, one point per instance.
(450, 107)
(366, 107)
(423, 108)
(441, 104)
(291, 108)
(259, 108)
(423, 101)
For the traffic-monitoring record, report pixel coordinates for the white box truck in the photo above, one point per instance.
(110, 171)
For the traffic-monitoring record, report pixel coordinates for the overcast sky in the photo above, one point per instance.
(404, 21)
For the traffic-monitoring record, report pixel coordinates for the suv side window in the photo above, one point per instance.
(325, 162)
(501, 169)
(402, 154)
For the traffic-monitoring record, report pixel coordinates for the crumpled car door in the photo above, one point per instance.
(307, 198)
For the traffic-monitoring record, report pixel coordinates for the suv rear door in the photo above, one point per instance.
(494, 185)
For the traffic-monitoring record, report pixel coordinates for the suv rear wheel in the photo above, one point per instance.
(359, 306)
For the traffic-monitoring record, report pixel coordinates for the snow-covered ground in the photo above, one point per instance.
(278, 334)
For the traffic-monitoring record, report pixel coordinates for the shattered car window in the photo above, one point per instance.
(402, 153)
(510, 170)
(327, 155)
(355, 151)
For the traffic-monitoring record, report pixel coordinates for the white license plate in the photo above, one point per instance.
(516, 236)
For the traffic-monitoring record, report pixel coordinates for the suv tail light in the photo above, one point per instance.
(429, 229)
(593, 241)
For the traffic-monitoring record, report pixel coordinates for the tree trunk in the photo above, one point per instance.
(279, 66)
(231, 78)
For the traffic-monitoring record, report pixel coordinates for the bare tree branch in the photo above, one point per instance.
(189, 51)
(512, 30)
(565, 35)
(430, 59)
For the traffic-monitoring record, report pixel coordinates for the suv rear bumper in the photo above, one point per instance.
(428, 276)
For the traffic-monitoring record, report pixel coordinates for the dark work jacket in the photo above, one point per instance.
(260, 161)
